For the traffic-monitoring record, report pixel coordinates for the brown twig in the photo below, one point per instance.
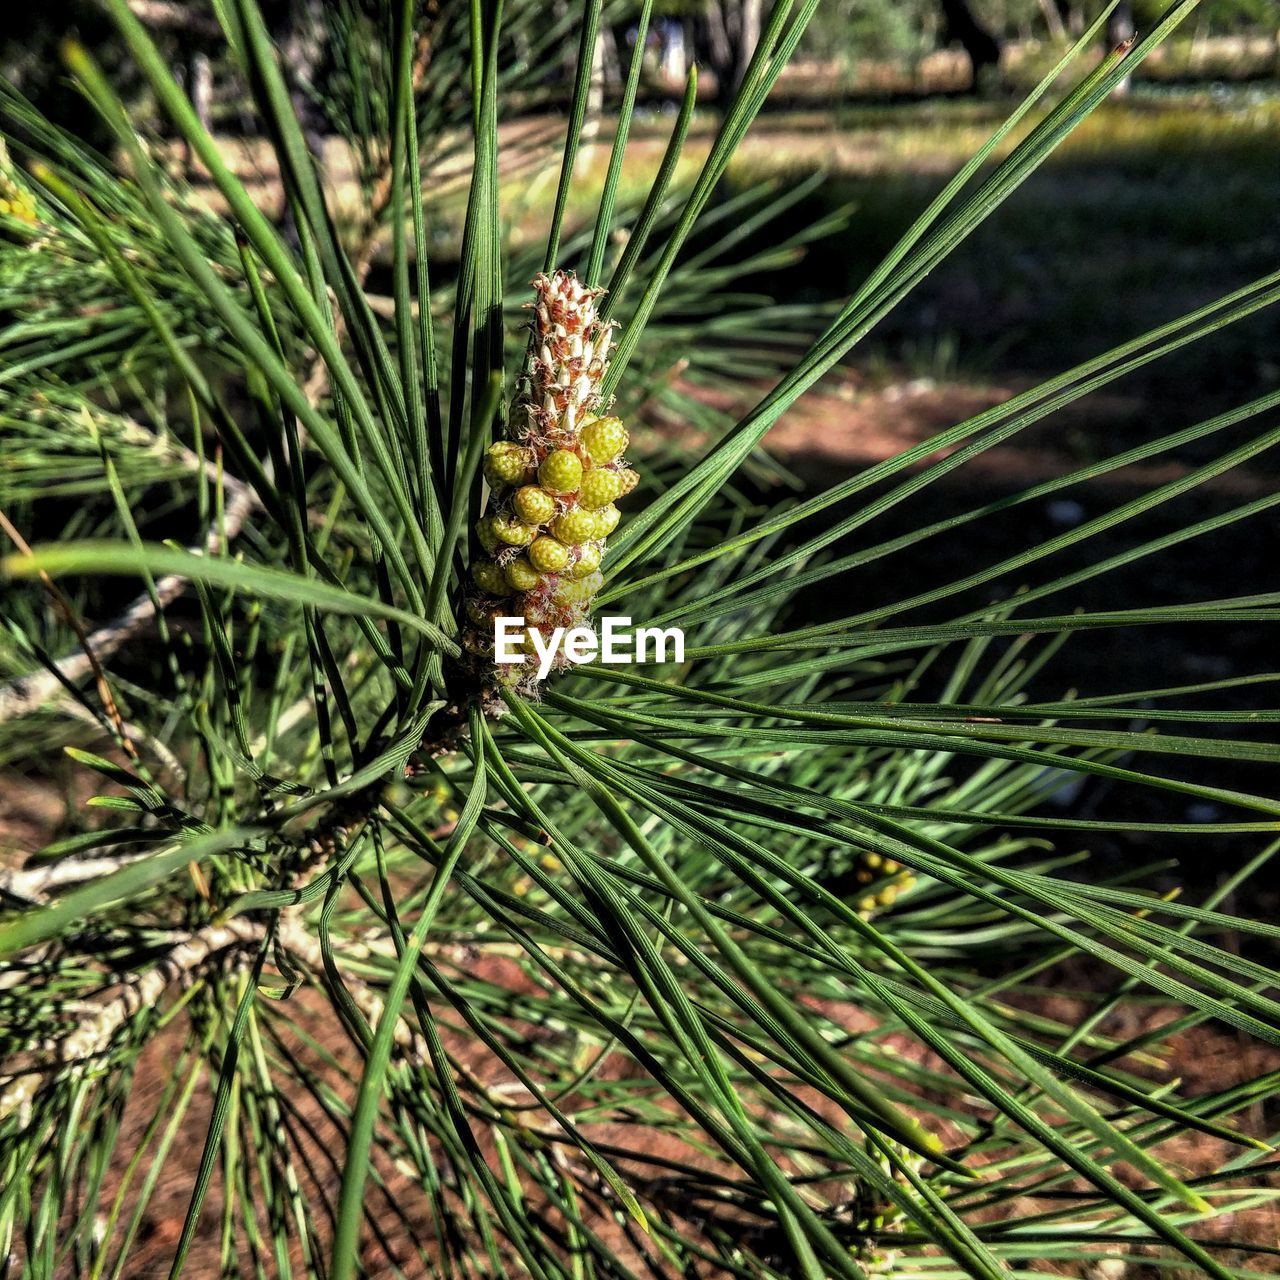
(90, 656)
(25, 694)
(93, 1034)
(33, 884)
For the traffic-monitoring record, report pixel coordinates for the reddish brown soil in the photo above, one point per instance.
(875, 422)
(1208, 1059)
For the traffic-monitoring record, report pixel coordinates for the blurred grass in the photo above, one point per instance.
(1161, 203)
(1158, 202)
(1155, 204)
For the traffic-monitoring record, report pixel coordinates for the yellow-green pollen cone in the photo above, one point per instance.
(17, 203)
(554, 483)
(534, 505)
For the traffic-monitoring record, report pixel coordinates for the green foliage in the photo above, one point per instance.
(873, 29)
(729, 969)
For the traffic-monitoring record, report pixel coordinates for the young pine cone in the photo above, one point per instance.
(554, 483)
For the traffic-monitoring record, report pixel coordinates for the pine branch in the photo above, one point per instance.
(94, 1033)
(24, 695)
(34, 884)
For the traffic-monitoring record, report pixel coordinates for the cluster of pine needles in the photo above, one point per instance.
(790, 961)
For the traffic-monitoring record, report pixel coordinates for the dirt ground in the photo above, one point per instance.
(877, 421)
(1205, 1060)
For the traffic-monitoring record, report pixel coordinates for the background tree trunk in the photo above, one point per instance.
(1120, 27)
(610, 55)
(1053, 19)
(717, 44)
(1073, 16)
(748, 37)
(200, 87)
(301, 39)
(981, 47)
(595, 102)
(730, 31)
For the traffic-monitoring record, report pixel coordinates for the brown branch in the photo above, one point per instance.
(33, 884)
(93, 1034)
(25, 694)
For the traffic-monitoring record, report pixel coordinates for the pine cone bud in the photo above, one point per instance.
(555, 481)
(599, 489)
(548, 555)
(490, 578)
(512, 531)
(607, 520)
(534, 505)
(604, 440)
(507, 463)
(576, 526)
(521, 575)
(586, 562)
(561, 471)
